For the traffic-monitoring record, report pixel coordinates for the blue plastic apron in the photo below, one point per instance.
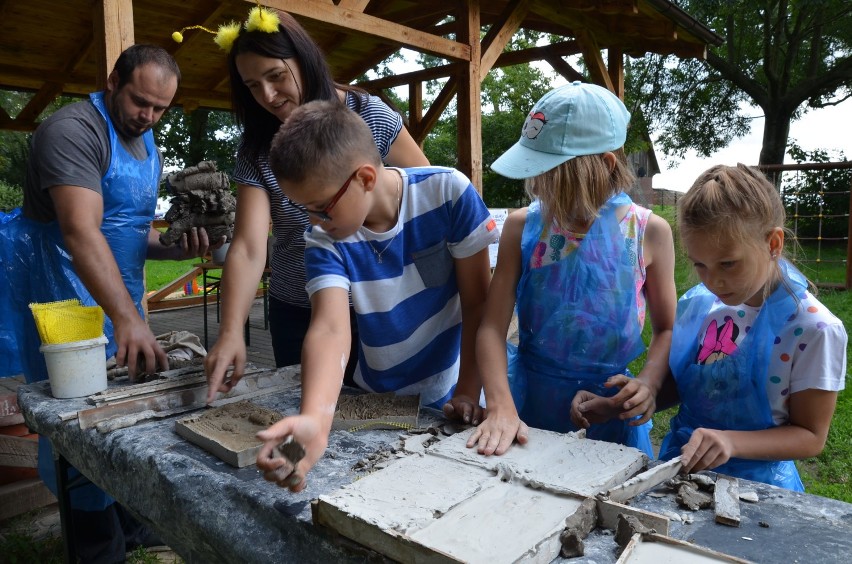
(731, 394)
(578, 325)
(129, 190)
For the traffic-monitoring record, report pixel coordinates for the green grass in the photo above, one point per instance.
(829, 473)
(158, 273)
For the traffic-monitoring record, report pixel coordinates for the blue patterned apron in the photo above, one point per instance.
(731, 394)
(578, 325)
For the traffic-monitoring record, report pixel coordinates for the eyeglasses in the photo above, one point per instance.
(323, 215)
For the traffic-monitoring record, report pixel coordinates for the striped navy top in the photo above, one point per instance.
(407, 305)
(287, 281)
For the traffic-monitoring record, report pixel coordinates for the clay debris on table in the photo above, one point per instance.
(201, 197)
(376, 411)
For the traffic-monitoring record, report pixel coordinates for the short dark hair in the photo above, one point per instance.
(290, 42)
(322, 137)
(137, 55)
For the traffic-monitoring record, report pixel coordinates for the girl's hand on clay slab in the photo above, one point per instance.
(463, 408)
(497, 433)
(706, 449)
(277, 464)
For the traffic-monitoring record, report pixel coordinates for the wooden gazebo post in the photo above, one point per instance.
(112, 21)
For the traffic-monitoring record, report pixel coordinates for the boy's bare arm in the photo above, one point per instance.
(472, 276)
(324, 356)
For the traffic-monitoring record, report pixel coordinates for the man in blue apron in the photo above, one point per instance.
(85, 233)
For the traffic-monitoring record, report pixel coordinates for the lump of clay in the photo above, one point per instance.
(201, 197)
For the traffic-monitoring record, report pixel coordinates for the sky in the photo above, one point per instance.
(826, 128)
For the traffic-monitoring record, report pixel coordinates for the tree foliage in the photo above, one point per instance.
(507, 94)
(817, 201)
(784, 56)
(202, 135)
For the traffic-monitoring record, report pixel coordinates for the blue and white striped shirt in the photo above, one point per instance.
(407, 306)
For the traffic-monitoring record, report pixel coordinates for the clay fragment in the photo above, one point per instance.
(627, 526)
(201, 197)
(572, 545)
(292, 451)
(689, 497)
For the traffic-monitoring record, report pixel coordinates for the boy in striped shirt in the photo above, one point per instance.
(410, 245)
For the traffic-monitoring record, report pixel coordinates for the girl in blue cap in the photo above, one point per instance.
(757, 359)
(580, 264)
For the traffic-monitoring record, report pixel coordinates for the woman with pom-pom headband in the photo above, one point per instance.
(274, 69)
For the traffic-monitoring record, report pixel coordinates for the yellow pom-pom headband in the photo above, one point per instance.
(259, 19)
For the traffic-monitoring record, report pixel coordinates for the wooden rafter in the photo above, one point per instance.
(362, 23)
(501, 33)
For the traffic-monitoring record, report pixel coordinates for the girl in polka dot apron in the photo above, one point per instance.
(757, 359)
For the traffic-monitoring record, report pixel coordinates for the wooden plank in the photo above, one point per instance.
(650, 548)
(645, 481)
(113, 20)
(727, 500)
(9, 474)
(351, 21)
(20, 497)
(89, 418)
(18, 452)
(608, 512)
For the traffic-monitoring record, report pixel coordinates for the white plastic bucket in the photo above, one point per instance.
(76, 369)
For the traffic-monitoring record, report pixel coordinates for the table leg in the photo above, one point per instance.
(265, 283)
(204, 302)
(65, 517)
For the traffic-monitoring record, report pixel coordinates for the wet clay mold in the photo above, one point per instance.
(228, 432)
(376, 411)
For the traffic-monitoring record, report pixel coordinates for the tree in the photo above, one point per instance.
(201, 135)
(784, 56)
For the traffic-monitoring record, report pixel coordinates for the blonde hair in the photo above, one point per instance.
(728, 203)
(575, 190)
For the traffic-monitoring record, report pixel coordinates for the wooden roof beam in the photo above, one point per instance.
(594, 61)
(369, 25)
(562, 49)
(501, 33)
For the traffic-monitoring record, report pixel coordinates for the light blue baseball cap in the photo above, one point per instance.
(572, 120)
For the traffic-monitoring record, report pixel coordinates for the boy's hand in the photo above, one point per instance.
(306, 431)
(463, 408)
(496, 434)
(706, 449)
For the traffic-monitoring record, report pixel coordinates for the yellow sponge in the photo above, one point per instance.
(67, 321)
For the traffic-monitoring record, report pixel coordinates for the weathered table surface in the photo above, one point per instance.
(208, 511)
